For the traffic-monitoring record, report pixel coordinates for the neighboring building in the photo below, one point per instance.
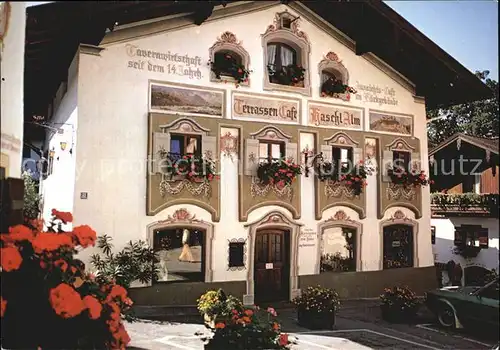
(12, 33)
(464, 207)
(147, 92)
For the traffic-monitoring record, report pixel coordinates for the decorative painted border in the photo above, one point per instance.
(222, 92)
(392, 114)
(245, 249)
(267, 97)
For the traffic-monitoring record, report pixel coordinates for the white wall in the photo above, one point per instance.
(12, 89)
(112, 133)
(445, 235)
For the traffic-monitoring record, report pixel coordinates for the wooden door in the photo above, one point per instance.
(271, 269)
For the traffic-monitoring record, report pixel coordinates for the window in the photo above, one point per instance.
(401, 160)
(226, 60)
(184, 144)
(280, 59)
(471, 236)
(338, 251)
(398, 246)
(329, 75)
(181, 255)
(271, 150)
(491, 292)
(433, 234)
(342, 156)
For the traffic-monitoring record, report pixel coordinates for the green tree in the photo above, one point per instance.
(31, 208)
(479, 118)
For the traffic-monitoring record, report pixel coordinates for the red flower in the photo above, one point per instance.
(93, 305)
(84, 235)
(66, 301)
(20, 233)
(46, 241)
(63, 265)
(248, 312)
(11, 259)
(117, 291)
(283, 339)
(220, 325)
(63, 216)
(3, 305)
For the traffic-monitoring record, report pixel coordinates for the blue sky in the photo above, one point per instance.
(467, 30)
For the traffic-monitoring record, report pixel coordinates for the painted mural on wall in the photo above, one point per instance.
(390, 123)
(255, 107)
(202, 102)
(329, 115)
(180, 253)
(382, 95)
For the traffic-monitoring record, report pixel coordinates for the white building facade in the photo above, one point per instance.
(140, 89)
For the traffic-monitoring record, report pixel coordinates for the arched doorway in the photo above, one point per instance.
(272, 265)
(398, 246)
(274, 231)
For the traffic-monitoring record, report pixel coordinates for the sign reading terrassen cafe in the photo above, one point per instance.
(257, 107)
(328, 115)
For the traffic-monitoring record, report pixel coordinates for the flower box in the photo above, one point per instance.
(354, 178)
(229, 67)
(335, 88)
(399, 305)
(396, 315)
(312, 319)
(408, 178)
(278, 172)
(291, 75)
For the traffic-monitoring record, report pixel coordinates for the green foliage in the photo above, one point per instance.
(479, 118)
(465, 201)
(279, 172)
(136, 262)
(318, 299)
(31, 208)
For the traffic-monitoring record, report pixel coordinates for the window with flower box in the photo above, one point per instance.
(342, 157)
(401, 160)
(229, 61)
(269, 150)
(286, 54)
(180, 143)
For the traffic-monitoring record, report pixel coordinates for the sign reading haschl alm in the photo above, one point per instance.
(260, 107)
(333, 116)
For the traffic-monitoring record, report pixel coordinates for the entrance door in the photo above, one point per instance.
(271, 268)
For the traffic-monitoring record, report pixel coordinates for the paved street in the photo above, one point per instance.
(358, 326)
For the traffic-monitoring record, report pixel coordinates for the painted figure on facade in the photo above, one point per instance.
(186, 254)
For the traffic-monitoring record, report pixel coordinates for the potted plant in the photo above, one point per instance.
(216, 306)
(354, 178)
(408, 178)
(316, 307)
(291, 75)
(248, 329)
(333, 87)
(227, 65)
(278, 172)
(399, 304)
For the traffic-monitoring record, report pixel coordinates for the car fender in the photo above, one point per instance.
(458, 324)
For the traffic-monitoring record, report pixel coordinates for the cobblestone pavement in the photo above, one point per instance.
(358, 326)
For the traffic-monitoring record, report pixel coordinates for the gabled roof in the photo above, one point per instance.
(55, 30)
(488, 144)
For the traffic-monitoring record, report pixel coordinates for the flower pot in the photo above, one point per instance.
(315, 320)
(396, 315)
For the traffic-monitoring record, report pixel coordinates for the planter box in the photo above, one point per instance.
(396, 315)
(316, 320)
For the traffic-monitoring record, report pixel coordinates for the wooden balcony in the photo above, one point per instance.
(464, 204)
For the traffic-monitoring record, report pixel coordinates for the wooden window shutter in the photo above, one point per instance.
(327, 153)
(209, 146)
(387, 162)
(251, 157)
(357, 155)
(291, 151)
(415, 163)
(161, 141)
